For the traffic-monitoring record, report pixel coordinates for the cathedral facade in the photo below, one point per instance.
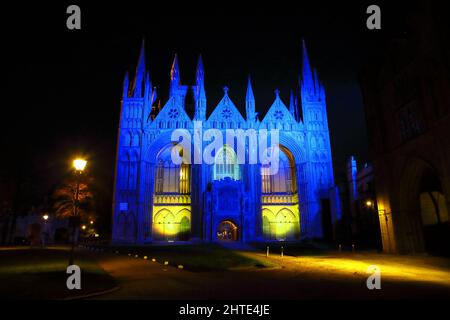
(156, 199)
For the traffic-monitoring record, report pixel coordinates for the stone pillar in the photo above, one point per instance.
(255, 206)
(148, 201)
(196, 202)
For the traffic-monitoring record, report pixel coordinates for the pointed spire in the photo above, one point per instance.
(140, 72)
(200, 80)
(249, 96)
(199, 92)
(307, 75)
(312, 92)
(200, 74)
(154, 95)
(250, 102)
(147, 87)
(148, 94)
(316, 82)
(126, 84)
(292, 104)
(174, 77)
(175, 71)
(296, 108)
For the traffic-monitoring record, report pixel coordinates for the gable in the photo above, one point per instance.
(279, 117)
(226, 116)
(172, 116)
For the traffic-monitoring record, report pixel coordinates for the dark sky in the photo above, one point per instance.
(64, 87)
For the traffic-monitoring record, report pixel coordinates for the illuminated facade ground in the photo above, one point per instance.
(157, 200)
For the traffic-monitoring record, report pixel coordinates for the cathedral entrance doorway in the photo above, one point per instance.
(227, 231)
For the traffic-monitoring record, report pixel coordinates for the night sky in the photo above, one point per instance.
(63, 87)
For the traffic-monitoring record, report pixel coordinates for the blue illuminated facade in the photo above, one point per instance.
(157, 200)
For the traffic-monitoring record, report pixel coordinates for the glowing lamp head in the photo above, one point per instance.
(79, 164)
(369, 203)
(83, 227)
(91, 222)
(45, 217)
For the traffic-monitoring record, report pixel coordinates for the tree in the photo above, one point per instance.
(64, 202)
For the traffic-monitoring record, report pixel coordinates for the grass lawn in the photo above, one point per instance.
(206, 257)
(41, 274)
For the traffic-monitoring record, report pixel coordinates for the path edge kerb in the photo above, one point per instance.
(94, 294)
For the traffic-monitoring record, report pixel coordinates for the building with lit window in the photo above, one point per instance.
(158, 200)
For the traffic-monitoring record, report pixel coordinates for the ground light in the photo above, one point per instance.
(395, 268)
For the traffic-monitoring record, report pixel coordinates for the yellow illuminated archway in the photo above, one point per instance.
(168, 224)
(280, 207)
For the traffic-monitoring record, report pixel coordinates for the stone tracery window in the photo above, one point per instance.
(284, 180)
(171, 178)
(226, 164)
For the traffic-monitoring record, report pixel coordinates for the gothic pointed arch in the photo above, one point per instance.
(171, 197)
(226, 164)
(280, 201)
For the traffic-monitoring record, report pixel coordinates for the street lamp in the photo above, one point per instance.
(369, 203)
(79, 165)
(45, 217)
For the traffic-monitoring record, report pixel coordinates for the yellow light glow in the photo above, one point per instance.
(45, 217)
(96, 235)
(91, 222)
(83, 227)
(281, 222)
(393, 268)
(79, 164)
(369, 203)
(169, 221)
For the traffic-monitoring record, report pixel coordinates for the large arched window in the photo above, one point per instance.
(280, 206)
(171, 199)
(171, 178)
(226, 164)
(284, 180)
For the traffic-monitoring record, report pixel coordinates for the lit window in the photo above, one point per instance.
(226, 164)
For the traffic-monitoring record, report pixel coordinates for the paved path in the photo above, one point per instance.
(343, 277)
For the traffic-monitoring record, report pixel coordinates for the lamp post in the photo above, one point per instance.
(45, 217)
(381, 212)
(79, 165)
